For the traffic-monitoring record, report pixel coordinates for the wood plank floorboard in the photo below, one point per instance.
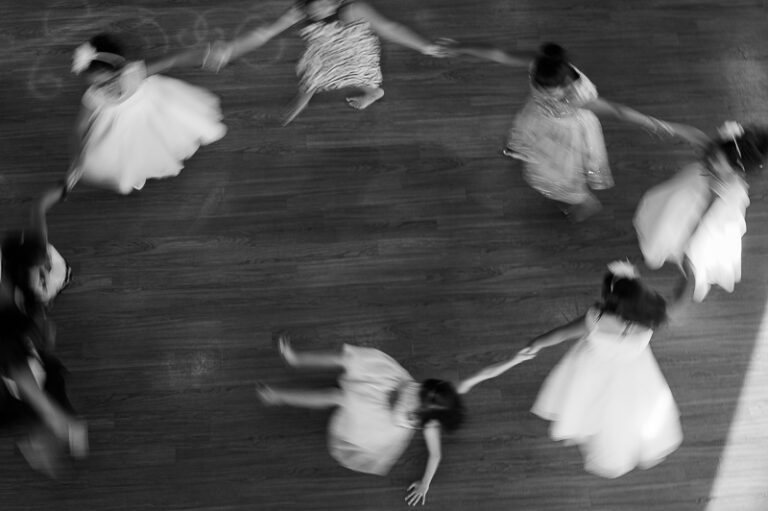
(400, 227)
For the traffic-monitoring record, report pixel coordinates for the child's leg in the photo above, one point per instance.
(299, 104)
(301, 398)
(370, 95)
(581, 211)
(309, 360)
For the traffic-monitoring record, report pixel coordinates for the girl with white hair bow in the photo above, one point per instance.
(607, 394)
(135, 124)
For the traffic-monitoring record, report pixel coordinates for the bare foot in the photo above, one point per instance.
(78, 439)
(299, 104)
(579, 212)
(286, 351)
(365, 100)
(42, 452)
(267, 394)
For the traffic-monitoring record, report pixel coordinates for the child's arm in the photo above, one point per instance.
(77, 139)
(51, 197)
(392, 30)
(192, 58)
(418, 489)
(683, 292)
(225, 52)
(520, 59)
(624, 113)
(573, 330)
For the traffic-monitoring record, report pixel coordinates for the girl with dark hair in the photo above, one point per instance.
(607, 394)
(378, 408)
(135, 124)
(697, 219)
(557, 134)
(342, 48)
(33, 272)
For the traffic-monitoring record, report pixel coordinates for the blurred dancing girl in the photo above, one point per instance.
(557, 134)
(33, 394)
(33, 272)
(607, 394)
(134, 124)
(342, 48)
(378, 408)
(697, 219)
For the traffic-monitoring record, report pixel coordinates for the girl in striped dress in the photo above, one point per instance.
(343, 49)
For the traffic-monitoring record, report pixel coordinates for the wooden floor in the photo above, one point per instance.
(402, 228)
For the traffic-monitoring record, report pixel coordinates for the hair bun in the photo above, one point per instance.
(554, 52)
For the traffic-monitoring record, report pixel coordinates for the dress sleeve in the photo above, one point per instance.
(592, 317)
(92, 99)
(131, 77)
(583, 90)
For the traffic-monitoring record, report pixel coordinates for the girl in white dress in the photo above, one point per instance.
(607, 394)
(557, 134)
(343, 48)
(696, 219)
(379, 406)
(134, 124)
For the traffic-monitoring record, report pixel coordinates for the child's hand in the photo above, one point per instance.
(417, 492)
(437, 50)
(218, 56)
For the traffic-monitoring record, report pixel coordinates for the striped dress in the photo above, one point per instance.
(339, 55)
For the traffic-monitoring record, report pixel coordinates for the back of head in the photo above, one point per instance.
(744, 147)
(626, 297)
(551, 67)
(23, 253)
(102, 53)
(441, 402)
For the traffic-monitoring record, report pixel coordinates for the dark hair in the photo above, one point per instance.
(15, 327)
(21, 253)
(105, 43)
(747, 152)
(632, 301)
(441, 402)
(551, 67)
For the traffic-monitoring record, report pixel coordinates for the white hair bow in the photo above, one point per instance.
(731, 129)
(82, 58)
(623, 270)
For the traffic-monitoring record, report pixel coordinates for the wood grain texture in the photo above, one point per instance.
(400, 227)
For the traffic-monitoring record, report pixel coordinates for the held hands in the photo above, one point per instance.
(417, 491)
(527, 353)
(440, 49)
(690, 134)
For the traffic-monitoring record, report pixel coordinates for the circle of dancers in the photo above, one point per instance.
(607, 394)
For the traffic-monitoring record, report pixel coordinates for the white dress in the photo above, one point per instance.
(144, 127)
(609, 396)
(561, 143)
(373, 426)
(696, 216)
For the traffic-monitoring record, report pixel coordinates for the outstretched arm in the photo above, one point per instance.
(624, 113)
(51, 197)
(392, 30)
(192, 58)
(573, 330)
(521, 59)
(223, 52)
(76, 142)
(417, 491)
(683, 291)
